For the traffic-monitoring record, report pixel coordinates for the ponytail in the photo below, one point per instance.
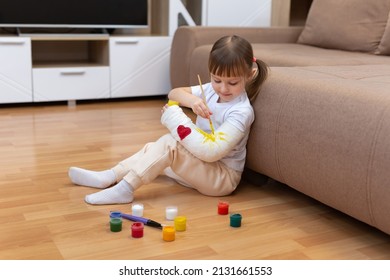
(253, 87)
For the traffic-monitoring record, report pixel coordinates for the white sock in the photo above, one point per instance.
(95, 179)
(118, 194)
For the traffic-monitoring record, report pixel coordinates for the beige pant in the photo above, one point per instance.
(209, 178)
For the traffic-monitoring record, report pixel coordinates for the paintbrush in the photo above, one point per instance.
(204, 98)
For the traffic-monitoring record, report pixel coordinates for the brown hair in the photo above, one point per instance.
(232, 56)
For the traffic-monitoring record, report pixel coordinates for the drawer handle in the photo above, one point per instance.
(72, 72)
(127, 41)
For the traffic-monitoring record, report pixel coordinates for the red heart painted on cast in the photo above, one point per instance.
(183, 131)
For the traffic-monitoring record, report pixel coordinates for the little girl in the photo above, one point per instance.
(208, 156)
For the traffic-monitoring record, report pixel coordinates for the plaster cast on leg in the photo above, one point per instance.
(94, 179)
(119, 194)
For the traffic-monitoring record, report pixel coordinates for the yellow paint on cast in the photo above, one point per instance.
(211, 137)
(171, 103)
(207, 136)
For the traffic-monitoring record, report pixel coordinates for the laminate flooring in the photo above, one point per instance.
(44, 216)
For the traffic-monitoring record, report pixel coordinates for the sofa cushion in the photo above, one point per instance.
(304, 55)
(354, 25)
(287, 55)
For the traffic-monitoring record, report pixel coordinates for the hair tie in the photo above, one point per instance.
(254, 59)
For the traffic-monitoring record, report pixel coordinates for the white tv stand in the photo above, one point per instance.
(53, 67)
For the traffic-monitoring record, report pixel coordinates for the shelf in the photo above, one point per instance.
(68, 53)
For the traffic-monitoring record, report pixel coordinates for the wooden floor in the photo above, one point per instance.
(43, 216)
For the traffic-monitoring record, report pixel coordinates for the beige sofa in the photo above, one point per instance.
(323, 117)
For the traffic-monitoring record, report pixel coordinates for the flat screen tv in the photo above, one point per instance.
(74, 13)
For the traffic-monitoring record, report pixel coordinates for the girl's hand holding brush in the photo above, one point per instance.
(200, 108)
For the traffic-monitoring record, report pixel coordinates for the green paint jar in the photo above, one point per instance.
(235, 220)
(116, 224)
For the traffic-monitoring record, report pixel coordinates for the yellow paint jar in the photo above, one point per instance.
(168, 233)
(180, 223)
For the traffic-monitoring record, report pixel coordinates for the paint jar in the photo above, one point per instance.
(137, 230)
(235, 220)
(170, 212)
(223, 208)
(180, 223)
(137, 209)
(168, 233)
(115, 221)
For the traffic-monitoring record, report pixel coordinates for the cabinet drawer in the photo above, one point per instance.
(56, 84)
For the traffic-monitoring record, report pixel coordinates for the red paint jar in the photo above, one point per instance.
(137, 230)
(223, 208)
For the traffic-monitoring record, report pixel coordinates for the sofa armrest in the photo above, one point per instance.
(187, 38)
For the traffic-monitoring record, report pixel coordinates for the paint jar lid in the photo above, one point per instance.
(115, 214)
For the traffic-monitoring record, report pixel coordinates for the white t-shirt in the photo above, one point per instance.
(238, 112)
